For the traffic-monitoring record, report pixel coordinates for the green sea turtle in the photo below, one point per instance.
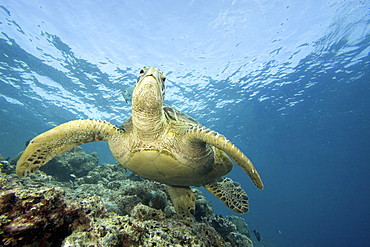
(159, 143)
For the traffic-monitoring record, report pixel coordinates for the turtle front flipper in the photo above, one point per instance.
(183, 200)
(230, 193)
(60, 139)
(219, 141)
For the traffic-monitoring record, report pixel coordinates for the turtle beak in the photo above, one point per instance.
(158, 75)
(149, 90)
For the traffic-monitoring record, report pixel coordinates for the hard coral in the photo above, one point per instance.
(108, 209)
(105, 173)
(36, 215)
(233, 229)
(127, 231)
(75, 161)
(144, 212)
(240, 224)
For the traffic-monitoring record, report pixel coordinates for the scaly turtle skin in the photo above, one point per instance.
(159, 143)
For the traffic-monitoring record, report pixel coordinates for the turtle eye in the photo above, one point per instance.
(143, 69)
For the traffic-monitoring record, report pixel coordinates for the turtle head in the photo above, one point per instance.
(147, 100)
(149, 90)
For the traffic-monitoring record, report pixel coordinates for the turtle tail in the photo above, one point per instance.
(60, 139)
(219, 141)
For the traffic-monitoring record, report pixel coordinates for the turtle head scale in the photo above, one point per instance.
(147, 100)
(149, 88)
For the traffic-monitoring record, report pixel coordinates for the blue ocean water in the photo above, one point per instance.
(287, 81)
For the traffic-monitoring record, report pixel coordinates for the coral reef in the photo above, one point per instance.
(240, 224)
(104, 206)
(75, 162)
(5, 166)
(37, 215)
(146, 227)
(233, 229)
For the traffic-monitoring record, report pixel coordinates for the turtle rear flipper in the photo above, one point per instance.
(230, 193)
(219, 141)
(61, 139)
(183, 200)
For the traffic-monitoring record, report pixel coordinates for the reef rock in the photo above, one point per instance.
(240, 224)
(37, 216)
(147, 227)
(75, 162)
(5, 166)
(104, 206)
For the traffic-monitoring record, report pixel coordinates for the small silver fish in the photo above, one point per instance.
(127, 93)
